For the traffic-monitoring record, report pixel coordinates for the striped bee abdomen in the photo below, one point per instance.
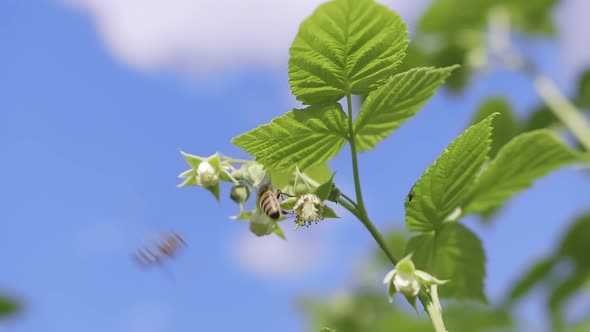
(268, 202)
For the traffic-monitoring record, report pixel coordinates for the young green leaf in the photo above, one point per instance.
(394, 102)
(453, 253)
(345, 46)
(446, 184)
(304, 138)
(524, 159)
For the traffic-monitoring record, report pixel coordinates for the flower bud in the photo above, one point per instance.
(240, 193)
(206, 175)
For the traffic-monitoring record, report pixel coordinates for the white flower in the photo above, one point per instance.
(206, 175)
(407, 280)
(309, 208)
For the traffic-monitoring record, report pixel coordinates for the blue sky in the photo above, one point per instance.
(90, 149)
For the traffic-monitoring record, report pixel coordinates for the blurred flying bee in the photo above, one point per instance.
(166, 248)
(268, 201)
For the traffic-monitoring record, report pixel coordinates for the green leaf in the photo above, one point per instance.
(505, 126)
(304, 138)
(327, 329)
(536, 273)
(524, 159)
(394, 102)
(567, 288)
(540, 118)
(532, 17)
(576, 242)
(444, 16)
(345, 46)
(445, 185)
(7, 306)
(453, 253)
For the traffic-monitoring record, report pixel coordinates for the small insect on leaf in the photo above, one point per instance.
(165, 248)
(411, 194)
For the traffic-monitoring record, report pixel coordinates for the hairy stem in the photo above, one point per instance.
(361, 211)
(358, 210)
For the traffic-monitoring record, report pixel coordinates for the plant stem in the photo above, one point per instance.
(563, 109)
(359, 211)
(349, 200)
(355, 167)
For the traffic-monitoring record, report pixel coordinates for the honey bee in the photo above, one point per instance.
(268, 201)
(166, 248)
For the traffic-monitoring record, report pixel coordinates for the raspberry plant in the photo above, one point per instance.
(355, 47)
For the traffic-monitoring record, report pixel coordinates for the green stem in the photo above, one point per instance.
(349, 200)
(563, 109)
(355, 167)
(362, 212)
(359, 211)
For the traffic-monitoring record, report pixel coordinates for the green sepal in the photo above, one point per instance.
(323, 191)
(329, 213)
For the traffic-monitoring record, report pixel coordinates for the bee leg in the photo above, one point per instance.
(280, 194)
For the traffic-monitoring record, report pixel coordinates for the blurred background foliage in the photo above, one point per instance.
(458, 32)
(8, 307)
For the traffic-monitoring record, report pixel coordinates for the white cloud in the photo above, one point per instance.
(199, 36)
(273, 257)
